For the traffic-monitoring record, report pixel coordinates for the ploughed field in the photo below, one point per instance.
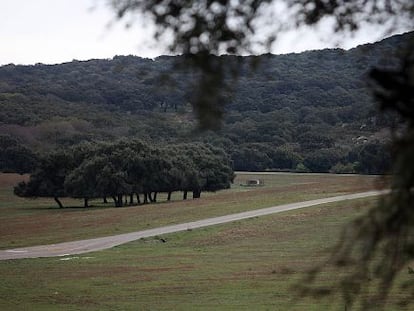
(253, 264)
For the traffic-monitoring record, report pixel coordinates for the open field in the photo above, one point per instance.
(96, 244)
(28, 222)
(248, 265)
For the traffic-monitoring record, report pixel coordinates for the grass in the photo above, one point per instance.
(28, 222)
(253, 264)
(248, 265)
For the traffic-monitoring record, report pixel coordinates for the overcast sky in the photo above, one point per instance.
(56, 31)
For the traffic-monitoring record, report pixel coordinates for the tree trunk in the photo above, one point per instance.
(105, 200)
(145, 198)
(196, 194)
(154, 197)
(85, 202)
(138, 199)
(185, 195)
(131, 199)
(169, 196)
(58, 202)
(120, 200)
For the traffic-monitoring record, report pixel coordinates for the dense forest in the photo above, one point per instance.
(308, 112)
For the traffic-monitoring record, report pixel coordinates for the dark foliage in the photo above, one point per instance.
(128, 168)
(280, 113)
(15, 157)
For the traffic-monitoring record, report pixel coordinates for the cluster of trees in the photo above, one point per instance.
(313, 152)
(309, 118)
(128, 171)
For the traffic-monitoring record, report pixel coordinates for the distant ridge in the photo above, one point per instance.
(293, 112)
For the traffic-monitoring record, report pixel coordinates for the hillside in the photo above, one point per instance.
(308, 111)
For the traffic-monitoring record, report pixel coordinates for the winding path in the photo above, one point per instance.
(90, 245)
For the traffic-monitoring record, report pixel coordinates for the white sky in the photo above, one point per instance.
(56, 31)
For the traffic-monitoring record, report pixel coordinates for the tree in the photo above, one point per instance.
(49, 178)
(207, 168)
(135, 170)
(14, 157)
(371, 158)
(321, 160)
(95, 178)
(155, 176)
(201, 28)
(184, 171)
(113, 182)
(250, 158)
(283, 158)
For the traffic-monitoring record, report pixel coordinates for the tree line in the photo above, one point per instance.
(129, 172)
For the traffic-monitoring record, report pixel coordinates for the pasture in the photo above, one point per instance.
(247, 265)
(27, 222)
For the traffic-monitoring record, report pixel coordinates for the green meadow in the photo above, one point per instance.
(254, 264)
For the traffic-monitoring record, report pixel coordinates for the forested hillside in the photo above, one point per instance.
(311, 111)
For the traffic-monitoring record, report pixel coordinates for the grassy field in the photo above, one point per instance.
(247, 265)
(28, 222)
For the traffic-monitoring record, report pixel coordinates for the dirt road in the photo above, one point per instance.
(91, 245)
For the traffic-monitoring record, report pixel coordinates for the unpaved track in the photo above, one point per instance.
(90, 245)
